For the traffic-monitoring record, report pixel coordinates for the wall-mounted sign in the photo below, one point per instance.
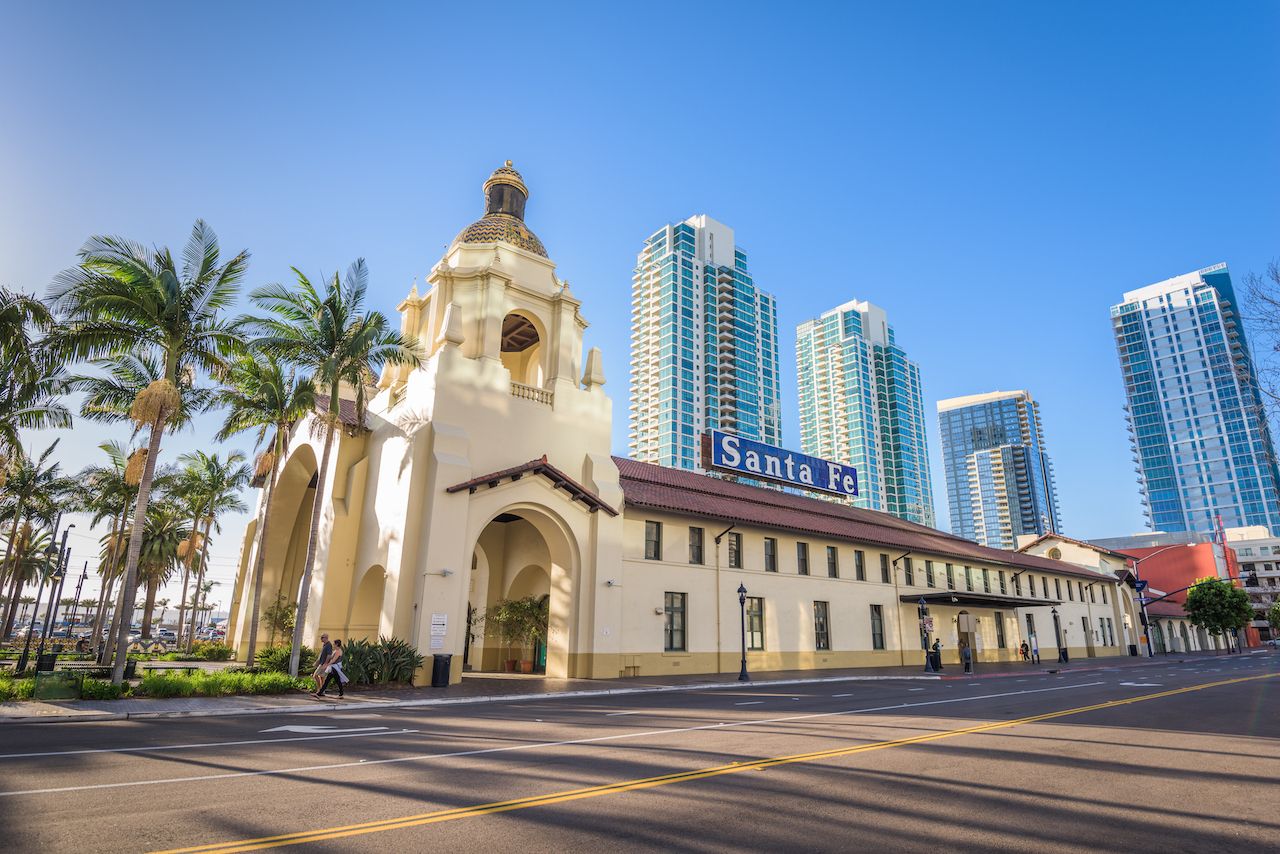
(728, 452)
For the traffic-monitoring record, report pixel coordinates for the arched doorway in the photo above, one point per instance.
(522, 350)
(365, 618)
(522, 554)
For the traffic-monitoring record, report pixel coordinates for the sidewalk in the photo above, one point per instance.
(499, 687)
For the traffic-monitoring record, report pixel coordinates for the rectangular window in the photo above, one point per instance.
(986, 581)
(951, 577)
(833, 562)
(1071, 593)
(928, 574)
(999, 629)
(1017, 585)
(653, 541)
(860, 566)
(1104, 597)
(968, 579)
(884, 570)
(802, 558)
(1057, 586)
(821, 626)
(877, 627)
(675, 608)
(755, 622)
(1044, 585)
(735, 550)
(908, 572)
(1093, 597)
(695, 545)
(770, 554)
(1031, 630)
(1002, 589)
(1080, 587)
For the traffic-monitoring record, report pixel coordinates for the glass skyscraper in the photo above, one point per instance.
(999, 477)
(704, 345)
(861, 403)
(1199, 434)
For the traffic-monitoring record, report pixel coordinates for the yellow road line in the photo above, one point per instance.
(330, 833)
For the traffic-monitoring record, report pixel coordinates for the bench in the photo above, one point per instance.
(184, 666)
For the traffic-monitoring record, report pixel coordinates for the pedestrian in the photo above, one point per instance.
(937, 654)
(966, 655)
(1026, 651)
(334, 671)
(322, 663)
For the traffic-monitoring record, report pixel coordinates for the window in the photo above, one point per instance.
(1057, 585)
(802, 558)
(999, 629)
(735, 550)
(877, 627)
(951, 577)
(755, 622)
(884, 570)
(833, 562)
(908, 572)
(986, 581)
(1017, 585)
(1093, 597)
(653, 541)
(695, 545)
(770, 554)
(928, 573)
(1044, 585)
(1104, 597)
(675, 608)
(968, 579)
(821, 626)
(1080, 587)
(1002, 590)
(1031, 631)
(860, 566)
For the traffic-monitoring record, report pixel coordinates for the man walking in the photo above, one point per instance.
(322, 663)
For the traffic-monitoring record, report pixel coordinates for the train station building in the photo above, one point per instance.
(485, 474)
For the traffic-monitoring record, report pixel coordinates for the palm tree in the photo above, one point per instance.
(218, 486)
(261, 396)
(164, 609)
(27, 602)
(327, 333)
(124, 298)
(34, 485)
(31, 377)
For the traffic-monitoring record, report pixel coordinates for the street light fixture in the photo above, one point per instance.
(742, 609)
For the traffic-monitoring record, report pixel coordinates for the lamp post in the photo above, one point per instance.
(1142, 599)
(26, 646)
(742, 610)
(71, 630)
(1057, 636)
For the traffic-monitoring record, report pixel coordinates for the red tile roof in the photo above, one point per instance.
(540, 466)
(677, 491)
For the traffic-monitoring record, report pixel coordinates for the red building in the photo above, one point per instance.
(1170, 568)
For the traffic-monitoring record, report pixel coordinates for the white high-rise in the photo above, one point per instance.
(704, 345)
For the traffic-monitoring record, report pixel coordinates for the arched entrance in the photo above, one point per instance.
(526, 554)
(365, 618)
(522, 350)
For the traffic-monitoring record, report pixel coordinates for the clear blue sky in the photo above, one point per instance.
(995, 175)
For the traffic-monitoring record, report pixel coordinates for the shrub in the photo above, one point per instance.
(16, 689)
(212, 651)
(388, 660)
(101, 689)
(276, 658)
(218, 684)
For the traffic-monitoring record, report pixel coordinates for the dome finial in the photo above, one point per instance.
(509, 164)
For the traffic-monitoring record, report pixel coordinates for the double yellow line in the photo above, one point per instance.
(330, 833)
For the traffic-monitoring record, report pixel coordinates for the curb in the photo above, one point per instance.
(91, 717)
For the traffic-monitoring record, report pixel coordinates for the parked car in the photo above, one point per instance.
(167, 635)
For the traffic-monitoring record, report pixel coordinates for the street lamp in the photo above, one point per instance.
(742, 609)
(1142, 599)
(1057, 636)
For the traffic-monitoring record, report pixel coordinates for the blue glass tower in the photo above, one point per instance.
(1200, 438)
(704, 345)
(861, 403)
(999, 477)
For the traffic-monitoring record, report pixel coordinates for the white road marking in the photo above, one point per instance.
(750, 703)
(1142, 684)
(193, 746)
(841, 695)
(915, 689)
(321, 729)
(620, 714)
(425, 757)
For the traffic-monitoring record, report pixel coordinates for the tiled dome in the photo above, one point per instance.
(504, 194)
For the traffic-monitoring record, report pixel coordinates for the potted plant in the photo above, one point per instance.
(518, 623)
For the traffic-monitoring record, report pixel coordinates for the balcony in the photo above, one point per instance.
(531, 393)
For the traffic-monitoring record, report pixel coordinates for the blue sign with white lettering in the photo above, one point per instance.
(1140, 585)
(758, 460)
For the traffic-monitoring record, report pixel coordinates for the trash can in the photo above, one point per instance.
(440, 666)
(45, 662)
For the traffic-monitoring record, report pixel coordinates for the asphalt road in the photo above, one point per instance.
(1183, 757)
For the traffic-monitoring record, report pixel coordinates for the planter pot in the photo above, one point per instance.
(526, 667)
(509, 666)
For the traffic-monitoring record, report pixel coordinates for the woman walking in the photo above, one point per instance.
(333, 671)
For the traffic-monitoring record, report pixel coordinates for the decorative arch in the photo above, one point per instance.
(524, 347)
(364, 619)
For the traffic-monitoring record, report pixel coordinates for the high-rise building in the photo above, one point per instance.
(704, 345)
(861, 403)
(999, 477)
(1196, 423)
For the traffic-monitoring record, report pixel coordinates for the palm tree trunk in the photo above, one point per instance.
(153, 587)
(135, 547)
(186, 577)
(11, 557)
(317, 505)
(117, 610)
(259, 563)
(100, 613)
(204, 557)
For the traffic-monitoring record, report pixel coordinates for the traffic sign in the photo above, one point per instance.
(1140, 586)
